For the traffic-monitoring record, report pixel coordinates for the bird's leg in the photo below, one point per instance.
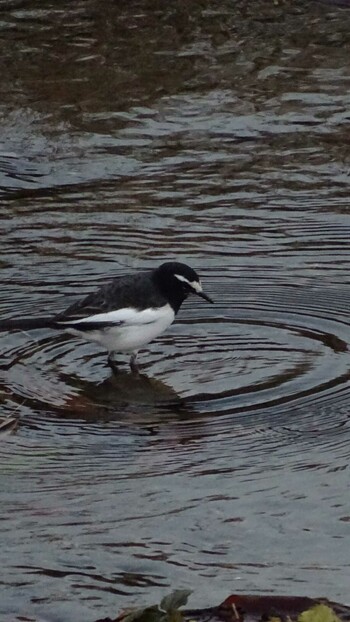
(112, 363)
(133, 363)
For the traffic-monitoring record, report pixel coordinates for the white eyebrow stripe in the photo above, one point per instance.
(196, 285)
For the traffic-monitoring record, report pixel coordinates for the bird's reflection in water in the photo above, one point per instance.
(124, 396)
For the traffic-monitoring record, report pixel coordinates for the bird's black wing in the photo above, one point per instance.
(133, 291)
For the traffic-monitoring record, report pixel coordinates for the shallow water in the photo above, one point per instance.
(217, 135)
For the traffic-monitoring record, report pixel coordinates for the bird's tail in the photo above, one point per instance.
(26, 324)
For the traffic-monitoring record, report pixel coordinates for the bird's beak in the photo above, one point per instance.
(203, 295)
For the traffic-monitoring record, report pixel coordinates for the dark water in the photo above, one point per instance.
(216, 133)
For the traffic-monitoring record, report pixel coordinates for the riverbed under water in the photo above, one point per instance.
(215, 133)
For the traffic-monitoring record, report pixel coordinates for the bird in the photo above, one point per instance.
(126, 313)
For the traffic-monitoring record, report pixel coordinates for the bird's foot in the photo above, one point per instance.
(133, 364)
(112, 363)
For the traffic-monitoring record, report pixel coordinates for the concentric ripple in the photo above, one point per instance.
(257, 352)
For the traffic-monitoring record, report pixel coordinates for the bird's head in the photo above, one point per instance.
(178, 281)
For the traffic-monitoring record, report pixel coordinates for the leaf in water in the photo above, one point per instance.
(167, 611)
(319, 613)
(175, 600)
(174, 616)
(145, 614)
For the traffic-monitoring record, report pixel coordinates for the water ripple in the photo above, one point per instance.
(218, 138)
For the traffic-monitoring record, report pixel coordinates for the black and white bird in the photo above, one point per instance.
(126, 313)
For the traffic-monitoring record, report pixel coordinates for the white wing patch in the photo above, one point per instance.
(131, 331)
(196, 285)
(129, 316)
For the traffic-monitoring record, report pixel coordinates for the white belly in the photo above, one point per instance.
(133, 335)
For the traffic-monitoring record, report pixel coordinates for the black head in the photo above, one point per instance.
(176, 281)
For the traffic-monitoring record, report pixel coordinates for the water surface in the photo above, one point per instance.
(215, 133)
